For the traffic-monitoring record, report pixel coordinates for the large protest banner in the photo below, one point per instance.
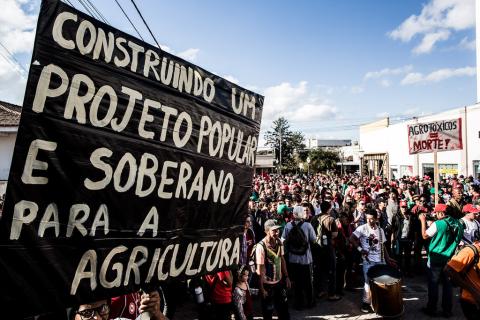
(442, 135)
(131, 167)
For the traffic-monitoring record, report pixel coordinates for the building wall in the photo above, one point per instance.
(380, 137)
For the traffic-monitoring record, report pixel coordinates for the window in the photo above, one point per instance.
(476, 168)
(445, 170)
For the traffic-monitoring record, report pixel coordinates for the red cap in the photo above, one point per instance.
(440, 207)
(470, 208)
(403, 203)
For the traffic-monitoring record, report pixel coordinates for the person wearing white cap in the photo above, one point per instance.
(298, 236)
(273, 274)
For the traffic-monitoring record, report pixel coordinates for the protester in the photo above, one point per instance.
(359, 214)
(298, 236)
(242, 299)
(130, 306)
(445, 234)
(369, 240)
(327, 231)
(108, 309)
(464, 270)
(472, 226)
(403, 238)
(273, 274)
(221, 293)
(455, 204)
(248, 240)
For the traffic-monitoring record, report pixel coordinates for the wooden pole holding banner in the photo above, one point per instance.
(435, 175)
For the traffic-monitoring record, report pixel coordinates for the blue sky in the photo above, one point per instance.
(327, 66)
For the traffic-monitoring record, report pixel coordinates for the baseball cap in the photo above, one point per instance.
(271, 224)
(281, 208)
(440, 207)
(470, 208)
(403, 203)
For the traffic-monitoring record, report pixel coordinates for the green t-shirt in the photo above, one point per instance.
(445, 241)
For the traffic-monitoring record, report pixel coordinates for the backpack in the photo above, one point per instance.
(322, 239)
(296, 241)
(464, 272)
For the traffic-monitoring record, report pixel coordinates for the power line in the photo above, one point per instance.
(141, 16)
(13, 65)
(131, 23)
(97, 11)
(71, 4)
(13, 57)
(88, 9)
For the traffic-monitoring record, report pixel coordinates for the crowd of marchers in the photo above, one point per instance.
(308, 238)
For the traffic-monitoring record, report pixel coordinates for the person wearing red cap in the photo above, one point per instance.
(472, 226)
(445, 233)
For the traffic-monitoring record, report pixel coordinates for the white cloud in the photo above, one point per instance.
(17, 27)
(437, 20)
(438, 75)
(429, 41)
(467, 44)
(12, 84)
(189, 54)
(296, 103)
(387, 72)
(17, 33)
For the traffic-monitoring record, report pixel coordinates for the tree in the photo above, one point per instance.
(290, 141)
(322, 160)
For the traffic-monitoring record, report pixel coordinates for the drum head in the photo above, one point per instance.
(385, 274)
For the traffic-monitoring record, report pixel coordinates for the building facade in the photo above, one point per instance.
(384, 147)
(9, 120)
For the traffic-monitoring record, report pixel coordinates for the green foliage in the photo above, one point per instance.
(291, 141)
(322, 160)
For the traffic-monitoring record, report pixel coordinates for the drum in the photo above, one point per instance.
(386, 289)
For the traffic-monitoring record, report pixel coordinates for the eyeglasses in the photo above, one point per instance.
(88, 314)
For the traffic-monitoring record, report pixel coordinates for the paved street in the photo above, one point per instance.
(414, 295)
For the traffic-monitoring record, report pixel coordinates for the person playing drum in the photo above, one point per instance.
(369, 240)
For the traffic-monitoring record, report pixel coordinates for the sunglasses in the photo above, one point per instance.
(88, 314)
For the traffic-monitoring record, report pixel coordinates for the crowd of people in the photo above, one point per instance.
(308, 238)
(319, 235)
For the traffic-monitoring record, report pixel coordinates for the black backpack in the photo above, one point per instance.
(296, 241)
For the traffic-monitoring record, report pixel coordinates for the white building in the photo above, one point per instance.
(313, 143)
(384, 147)
(9, 120)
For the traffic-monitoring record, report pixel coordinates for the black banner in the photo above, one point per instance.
(131, 167)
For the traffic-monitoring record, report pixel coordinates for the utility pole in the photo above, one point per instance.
(280, 151)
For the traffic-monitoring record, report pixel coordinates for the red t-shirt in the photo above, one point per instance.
(221, 293)
(125, 306)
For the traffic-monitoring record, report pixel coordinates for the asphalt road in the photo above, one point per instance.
(414, 295)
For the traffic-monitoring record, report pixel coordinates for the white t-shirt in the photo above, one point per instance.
(432, 230)
(406, 228)
(371, 240)
(471, 227)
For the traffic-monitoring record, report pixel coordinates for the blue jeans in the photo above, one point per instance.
(436, 276)
(367, 296)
